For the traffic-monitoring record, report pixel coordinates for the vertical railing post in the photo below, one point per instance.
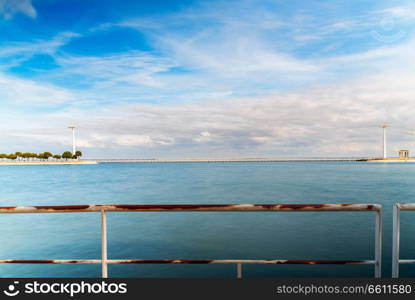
(239, 271)
(378, 243)
(396, 240)
(104, 244)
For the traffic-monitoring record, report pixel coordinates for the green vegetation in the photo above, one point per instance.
(67, 154)
(45, 156)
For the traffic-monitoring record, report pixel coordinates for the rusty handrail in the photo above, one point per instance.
(104, 208)
(191, 261)
(188, 207)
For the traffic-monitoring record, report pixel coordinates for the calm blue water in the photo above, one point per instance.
(315, 235)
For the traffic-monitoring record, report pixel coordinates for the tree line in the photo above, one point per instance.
(40, 156)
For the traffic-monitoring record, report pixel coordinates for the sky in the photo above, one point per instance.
(182, 78)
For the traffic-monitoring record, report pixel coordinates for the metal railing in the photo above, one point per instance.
(397, 208)
(103, 209)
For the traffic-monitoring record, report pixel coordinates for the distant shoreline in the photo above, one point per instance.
(199, 160)
(64, 162)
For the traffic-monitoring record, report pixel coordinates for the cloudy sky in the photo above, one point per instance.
(181, 78)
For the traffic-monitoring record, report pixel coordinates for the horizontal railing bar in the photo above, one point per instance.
(240, 261)
(406, 206)
(186, 261)
(190, 207)
(407, 261)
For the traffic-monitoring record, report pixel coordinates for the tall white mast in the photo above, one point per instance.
(384, 126)
(73, 139)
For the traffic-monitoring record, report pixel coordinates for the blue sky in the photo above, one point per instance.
(207, 78)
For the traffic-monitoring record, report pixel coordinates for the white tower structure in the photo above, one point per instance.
(384, 126)
(73, 139)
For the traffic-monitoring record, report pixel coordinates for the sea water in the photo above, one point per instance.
(204, 235)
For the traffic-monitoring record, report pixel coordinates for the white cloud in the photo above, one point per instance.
(17, 52)
(228, 42)
(229, 57)
(203, 137)
(134, 67)
(26, 92)
(133, 140)
(402, 13)
(8, 8)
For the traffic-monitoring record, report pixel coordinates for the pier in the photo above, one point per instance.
(218, 160)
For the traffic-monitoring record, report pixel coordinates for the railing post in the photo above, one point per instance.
(395, 240)
(239, 271)
(104, 244)
(378, 243)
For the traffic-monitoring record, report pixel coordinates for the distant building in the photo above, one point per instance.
(403, 154)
